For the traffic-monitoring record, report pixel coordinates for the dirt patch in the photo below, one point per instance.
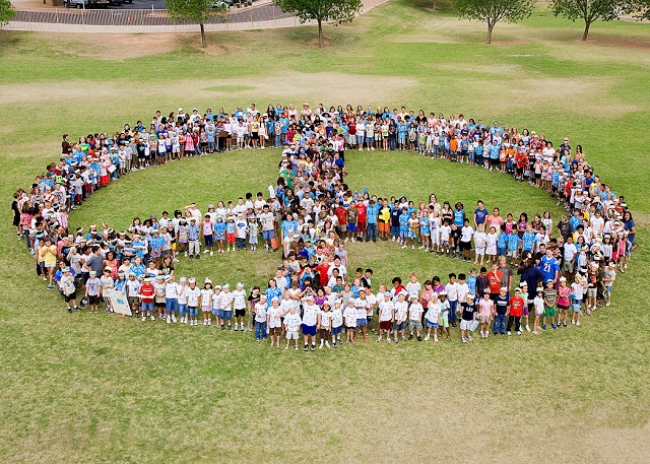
(116, 46)
(215, 48)
(635, 44)
(295, 86)
(356, 65)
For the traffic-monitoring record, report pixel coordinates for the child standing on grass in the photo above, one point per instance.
(206, 302)
(292, 323)
(146, 295)
(216, 306)
(386, 316)
(107, 285)
(480, 242)
(259, 310)
(337, 323)
(550, 303)
(433, 318)
(239, 304)
(525, 311)
(563, 301)
(220, 233)
(68, 289)
(350, 318)
(609, 276)
(401, 313)
(492, 241)
(467, 318)
(274, 322)
(253, 232)
(325, 324)
(227, 299)
(513, 243)
(444, 313)
(538, 304)
(415, 318)
(516, 308)
(486, 313)
(577, 291)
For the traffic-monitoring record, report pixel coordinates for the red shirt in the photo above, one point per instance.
(341, 215)
(362, 213)
(495, 281)
(321, 270)
(147, 291)
(516, 306)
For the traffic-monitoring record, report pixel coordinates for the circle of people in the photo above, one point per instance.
(310, 215)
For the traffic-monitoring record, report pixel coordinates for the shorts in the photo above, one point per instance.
(384, 227)
(208, 240)
(608, 289)
(252, 239)
(337, 330)
(343, 228)
(568, 267)
(292, 334)
(275, 330)
(576, 306)
(385, 325)
(415, 325)
(352, 227)
(444, 319)
(550, 312)
(361, 227)
(216, 312)
(193, 311)
(226, 315)
(171, 305)
(309, 330)
(592, 292)
(182, 309)
(484, 319)
(512, 253)
(362, 322)
(432, 325)
(525, 311)
(144, 307)
(465, 325)
(268, 234)
(230, 239)
(69, 298)
(399, 325)
(94, 300)
(465, 246)
(240, 312)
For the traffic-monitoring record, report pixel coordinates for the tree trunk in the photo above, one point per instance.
(321, 43)
(586, 32)
(204, 43)
(489, 32)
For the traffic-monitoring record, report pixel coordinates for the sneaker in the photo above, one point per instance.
(169, 320)
(419, 338)
(205, 251)
(527, 328)
(403, 338)
(554, 326)
(396, 341)
(509, 333)
(573, 322)
(411, 337)
(306, 348)
(564, 324)
(173, 319)
(518, 332)
(388, 340)
(334, 344)
(464, 340)
(543, 326)
(435, 338)
(235, 328)
(153, 318)
(144, 318)
(427, 338)
(313, 346)
(211, 253)
(378, 339)
(286, 347)
(577, 322)
(608, 303)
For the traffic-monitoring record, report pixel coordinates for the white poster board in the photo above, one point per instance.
(119, 302)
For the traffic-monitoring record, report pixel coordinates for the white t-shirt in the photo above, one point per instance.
(462, 291)
(466, 234)
(433, 312)
(413, 289)
(415, 311)
(292, 321)
(310, 314)
(386, 310)
(226, 300)
(275, 317)
(401, 309)
(350, 315)
(362, 307)
(260, 312)
(239, 299)
(325, 318)
(452, 291)
(192, 296)
(337, 318)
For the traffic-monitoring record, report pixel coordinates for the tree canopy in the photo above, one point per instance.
(493, 11)
(340, 11)
(7, 12)
(587, 10)
(197, 11)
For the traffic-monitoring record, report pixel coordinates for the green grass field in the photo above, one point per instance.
(95, 388)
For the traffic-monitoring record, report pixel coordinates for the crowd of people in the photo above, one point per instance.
(311, 213)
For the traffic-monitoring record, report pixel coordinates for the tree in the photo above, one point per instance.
(341, 11)
(197, 11)
(493, 11)
(587, 10)
(7, 12)
(639, 9)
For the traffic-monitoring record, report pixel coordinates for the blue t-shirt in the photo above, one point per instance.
(480, 214)
(459, 217)
(529, 240)
(513, 240)
(549, 267)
